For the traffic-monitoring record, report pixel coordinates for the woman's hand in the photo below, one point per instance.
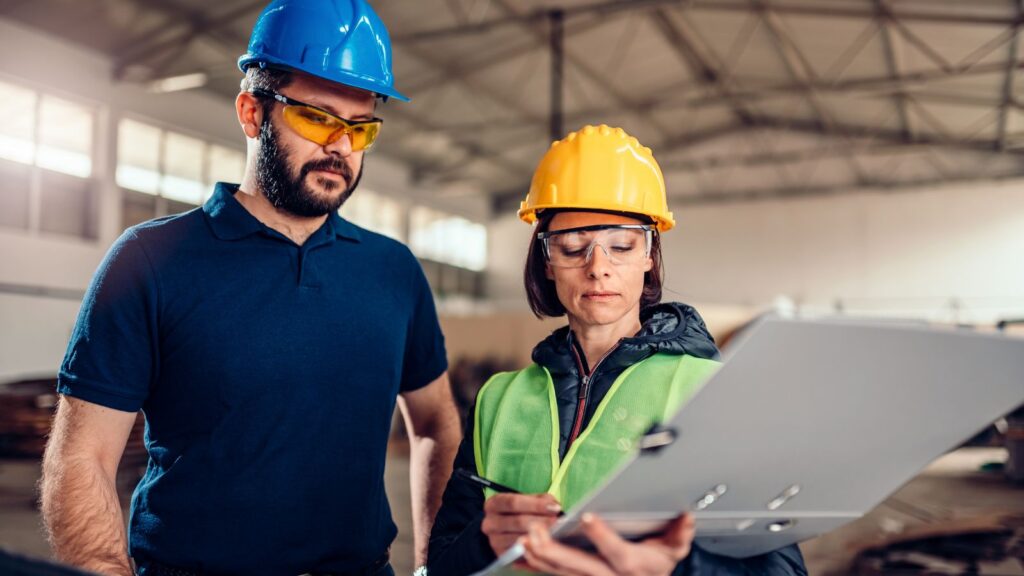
(507, 517)
(652, 557)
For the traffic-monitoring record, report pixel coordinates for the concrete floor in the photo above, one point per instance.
(951, 488)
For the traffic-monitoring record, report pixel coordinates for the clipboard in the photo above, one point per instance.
(807, 425)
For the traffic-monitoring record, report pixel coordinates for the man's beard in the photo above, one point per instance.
(290, 194)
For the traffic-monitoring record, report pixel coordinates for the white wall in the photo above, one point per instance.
(895, 253)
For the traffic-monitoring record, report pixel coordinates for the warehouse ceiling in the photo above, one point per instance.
(739, 99)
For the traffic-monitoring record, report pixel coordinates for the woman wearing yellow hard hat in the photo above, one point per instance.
(556, 429)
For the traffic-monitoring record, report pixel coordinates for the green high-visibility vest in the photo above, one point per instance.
(515, 437)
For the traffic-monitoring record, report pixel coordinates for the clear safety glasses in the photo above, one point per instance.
(321, 126)
(622, 244)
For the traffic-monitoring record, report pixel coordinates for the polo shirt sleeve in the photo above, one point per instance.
(112, 356)
(425, 356)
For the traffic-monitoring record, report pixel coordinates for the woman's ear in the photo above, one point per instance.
(548, 273)
(648, 264)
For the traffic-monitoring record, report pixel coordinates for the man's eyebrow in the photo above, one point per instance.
(332, 110)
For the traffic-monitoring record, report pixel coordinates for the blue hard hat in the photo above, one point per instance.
(343, 41)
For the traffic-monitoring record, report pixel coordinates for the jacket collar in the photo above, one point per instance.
(669, 328)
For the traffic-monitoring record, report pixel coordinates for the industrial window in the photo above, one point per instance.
(447, 239)
(375, 212)
(164, 172)
(183, 169)
(15, 183)
(46, 164)
(225, 165)
(17, 131)
(65, 137)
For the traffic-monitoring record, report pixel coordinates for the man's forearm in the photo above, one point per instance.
(430, 466)
(83, 516)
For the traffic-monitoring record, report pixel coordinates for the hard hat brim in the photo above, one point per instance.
(339, 77)
(529, 214)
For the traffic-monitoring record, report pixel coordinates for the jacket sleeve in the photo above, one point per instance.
(457, 546)
(787, 561)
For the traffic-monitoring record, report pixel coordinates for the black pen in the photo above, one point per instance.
(484, 482)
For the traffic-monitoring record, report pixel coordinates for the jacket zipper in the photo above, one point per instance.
(581, 400)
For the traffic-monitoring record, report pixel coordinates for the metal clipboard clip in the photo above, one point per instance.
(656, 438)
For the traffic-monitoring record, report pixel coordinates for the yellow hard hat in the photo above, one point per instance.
(599, 168)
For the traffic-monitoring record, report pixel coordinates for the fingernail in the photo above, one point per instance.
(554, 508)
(587, 518)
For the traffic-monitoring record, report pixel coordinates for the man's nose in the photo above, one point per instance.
(342, 146)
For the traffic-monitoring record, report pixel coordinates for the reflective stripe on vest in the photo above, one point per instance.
(515, 437)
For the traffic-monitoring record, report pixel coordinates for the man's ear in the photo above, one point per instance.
(250, 113)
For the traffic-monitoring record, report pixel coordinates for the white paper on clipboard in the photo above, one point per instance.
(808, 425)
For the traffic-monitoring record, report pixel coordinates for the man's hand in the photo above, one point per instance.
(507, 517)
(652, 557)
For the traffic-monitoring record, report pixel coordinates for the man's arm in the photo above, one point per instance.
(81, 510)
(433, 426)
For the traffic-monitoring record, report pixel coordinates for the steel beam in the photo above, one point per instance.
(892, 63)
(520, 49)
(700, 60)
(1008, 82)
(873, 134)
(803, 155)
(140, 48)
(800, 69)
(474, 149)
(556, 21)
(623, 102)
(613, 6)
(738, 196)
(682, 96)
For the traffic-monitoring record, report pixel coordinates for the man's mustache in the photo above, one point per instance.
(330, 164)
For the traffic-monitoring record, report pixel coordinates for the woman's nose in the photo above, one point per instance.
(598, 262)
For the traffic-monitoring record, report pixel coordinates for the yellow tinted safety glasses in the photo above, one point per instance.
(322, 127)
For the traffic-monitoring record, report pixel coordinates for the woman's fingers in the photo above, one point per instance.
(678, 536)
(654, 556)
(513, 523)
(547, 555)
(537, 504)
(609, 544)
(508, 516)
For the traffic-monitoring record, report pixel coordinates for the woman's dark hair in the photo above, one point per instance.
(540, 291)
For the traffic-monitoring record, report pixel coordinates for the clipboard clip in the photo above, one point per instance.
(656, 438)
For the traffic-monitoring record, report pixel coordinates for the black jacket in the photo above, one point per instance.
(457, 546)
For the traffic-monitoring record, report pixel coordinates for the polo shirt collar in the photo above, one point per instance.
(343, 228)
(227, 217)
(231, 221)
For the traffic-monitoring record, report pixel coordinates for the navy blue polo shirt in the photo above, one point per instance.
(268, 374)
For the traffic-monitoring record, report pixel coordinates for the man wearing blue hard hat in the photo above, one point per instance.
(266, 339)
